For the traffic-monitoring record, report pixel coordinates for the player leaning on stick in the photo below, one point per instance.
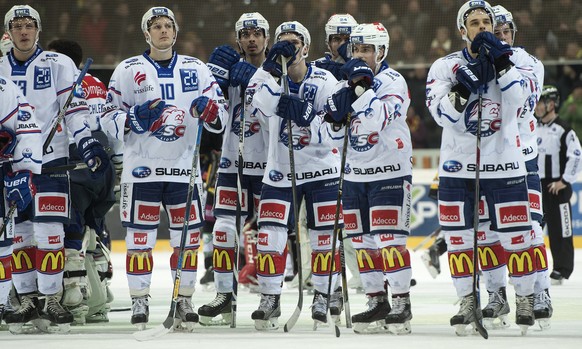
(252, 33)
(455, 84)
(376, 197)
(46, 79)
(316, 171)
(157, 98)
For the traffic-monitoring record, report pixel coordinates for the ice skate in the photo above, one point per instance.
(542, 309)
(398, 319)
(267, 315)
(185, 317)
(27, 311)
(53, 313)
(430, 259)
(556, 278)
(373, 319)
(465, 318)
(496, 311)
(221, 305)
(319, 309)
(336, 304)
(524, 314)
(140, 311)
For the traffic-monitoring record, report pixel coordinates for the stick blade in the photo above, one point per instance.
(155, 332)
(292, 320)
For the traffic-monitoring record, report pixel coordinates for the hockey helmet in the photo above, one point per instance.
(503, 16)
(293, 27)
(339, 24)
(251, 20)
(372, 34)
(21, 11)
(156, 12)
(550, 92)
(469, 7)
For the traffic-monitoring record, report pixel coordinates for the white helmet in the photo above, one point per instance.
(466, 9)
(155, 12)
(21, 11)
(293, 27)
(251, 20)
(372, 34)
(503, 16)
(339, 24)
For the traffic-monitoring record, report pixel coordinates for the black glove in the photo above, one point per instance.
(241, 74)
(357, 72)
(281, 48)
(93, 154)
(475, 74)
(295, 109)
(339, 104)
(220, 64)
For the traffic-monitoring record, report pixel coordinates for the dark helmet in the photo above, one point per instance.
(551, 92)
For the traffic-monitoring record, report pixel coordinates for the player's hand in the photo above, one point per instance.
(142, 118)
(295, 109)
(339, 104)
(272, 63)
(19, 189)
(220, 64)
(241, 74)
(7, 144)
(205, 108)
(475, 74)
(555, 187)
(357, 72)
(93, 154)
(491, 45)
(343, 51)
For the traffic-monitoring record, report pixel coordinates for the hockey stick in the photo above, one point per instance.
(63, 111)
(295, 316)
(7, 220)
(475, 292)
(168, 324)
(241, 145)
(68, 167)
(426, 239)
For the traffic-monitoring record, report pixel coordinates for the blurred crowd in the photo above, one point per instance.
(420, 31)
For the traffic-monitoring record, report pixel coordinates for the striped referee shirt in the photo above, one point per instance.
(559, 151)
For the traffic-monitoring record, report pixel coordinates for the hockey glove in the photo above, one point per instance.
(272, 64)
(343, 51)
(357, 73)
(339, 104)
(487, 44)
(241, 74)
(205, 108)
(475, 74)
(331, 66)
(141, 118)
(7, 144)
(220, 63)
(93, 154)
(19, 189)
(295, 109)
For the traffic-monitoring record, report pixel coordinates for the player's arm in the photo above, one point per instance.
(446, 98)
(574, 157)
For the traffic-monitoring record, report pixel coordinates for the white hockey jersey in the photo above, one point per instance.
(503, 102)
(164, 155)
(18, 116)
(46, 79)
(380, 146)
(315, 158)
(255, 148)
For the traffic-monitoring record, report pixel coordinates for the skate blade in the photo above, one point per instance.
(431, 269)
(21, 328)
(523, 329)
(400, 329)
(370, 327)
(463, 330)
(498, 323)
(267, 325)
(141, 326)
(152, 333)
(45, 326)
(182, 326)
(220, 320)
(544, 324)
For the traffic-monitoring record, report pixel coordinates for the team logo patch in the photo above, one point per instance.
(275, 176)
(220, 236)
(457, 240)
(194, 238)
(141, 172)
(451, 214)
(384, 217)
(323, 240)
(452, 166)
(227, 198)
(139, 77)
(52, 204)
(177, 213)
(274, 211)
(140, 238)
(325, 213)
(224, 163)
(54, 239)
(352, 221)
(263, 239)
(146, 213)
(512, 214)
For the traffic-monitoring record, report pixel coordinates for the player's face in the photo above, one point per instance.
(478, 21)
(162, 33)
(295, 40)
(543, 106)
(504, 33)
(252, 41)
(23, 31)
(335, 41)
(366, 53)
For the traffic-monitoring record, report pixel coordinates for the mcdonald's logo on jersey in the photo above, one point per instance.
(541, 257)
(461, 264)
(190, 260)
(395, 257)
(22, 260)
(488, 257)
(264, 260)
(222, 259)
(139, 262)
(520, 263)
(365, 261)
(52, 261)
(5, 269)
(321, 263)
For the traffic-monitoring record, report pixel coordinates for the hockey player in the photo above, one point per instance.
(376, 199)
(454, 86)
(316, 172)
(20, 159)
(45, 79)
(157, 96)
(91, 199)
(252, 33)
(337, 37)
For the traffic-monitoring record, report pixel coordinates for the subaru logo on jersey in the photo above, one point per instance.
(224, 163)
(160, 11)
(22, 12)
(190, 80)
(347, 169)
(275, 176)
(23, 115)
(42, 78)
(452, 166)
(250, 23)
(141, 172)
